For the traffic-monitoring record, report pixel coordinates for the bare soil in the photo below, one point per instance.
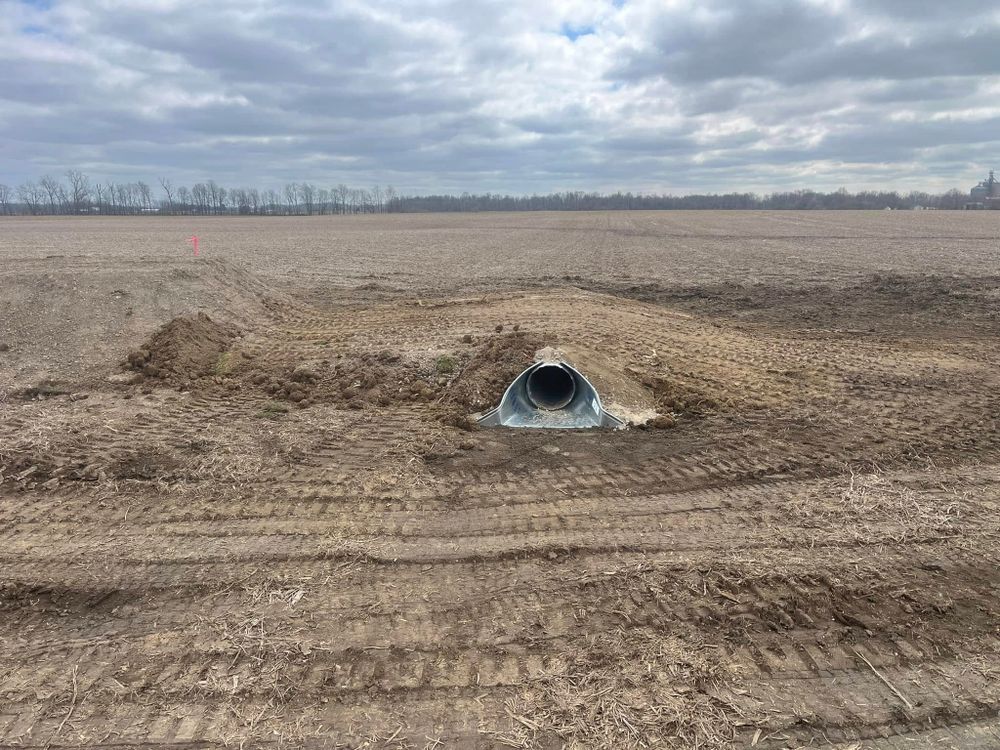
(241, 502)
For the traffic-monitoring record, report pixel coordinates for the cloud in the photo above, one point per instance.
(503, 95)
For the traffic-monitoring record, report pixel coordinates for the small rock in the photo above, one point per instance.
(124, 378)
(466, 339)
(662, 422)
(4, 347)
(499, 328)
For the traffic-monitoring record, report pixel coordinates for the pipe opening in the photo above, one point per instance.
(550, 387)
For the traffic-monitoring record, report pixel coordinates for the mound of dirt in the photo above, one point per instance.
(187, 348)
(357, 380)
(459, 381)
(497, 361)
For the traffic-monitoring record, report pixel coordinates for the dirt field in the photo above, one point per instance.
(241, 503)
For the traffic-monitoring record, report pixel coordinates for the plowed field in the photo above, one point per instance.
(242, 503)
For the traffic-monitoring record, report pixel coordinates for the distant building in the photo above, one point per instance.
(986, 194)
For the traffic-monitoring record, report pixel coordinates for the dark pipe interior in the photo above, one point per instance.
(550, 387)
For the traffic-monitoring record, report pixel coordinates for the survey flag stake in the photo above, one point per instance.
(194, 241)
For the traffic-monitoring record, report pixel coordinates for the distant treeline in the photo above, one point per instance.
(580, 201)
(77, 194)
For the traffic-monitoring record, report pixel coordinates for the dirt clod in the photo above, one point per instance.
(661, 422)
(304, 374)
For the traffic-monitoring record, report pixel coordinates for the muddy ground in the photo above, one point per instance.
(241, 502)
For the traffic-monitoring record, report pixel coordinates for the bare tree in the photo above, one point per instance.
(99, 197)
(199, 196)
(343, 195)
(52, 189)
(123, 197)
(79, 190)
(308, 194)
(953, 199)
(184, 198)
(145, 196)
(292, 198)
(31, 195)
(271, 201)
(363, 200)
(241, 200)
(110, 195)
(5, 198)
(214, 199)
(168, 191)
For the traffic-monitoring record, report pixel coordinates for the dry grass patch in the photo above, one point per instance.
(626, 689)
(873, 506)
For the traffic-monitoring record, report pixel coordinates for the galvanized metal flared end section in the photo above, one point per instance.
(551, 395)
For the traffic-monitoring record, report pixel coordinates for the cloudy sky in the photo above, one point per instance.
(507, 95)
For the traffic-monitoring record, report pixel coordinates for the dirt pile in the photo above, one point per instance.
(357, 380)
(462, 381)
(185, 349)
(497, 361)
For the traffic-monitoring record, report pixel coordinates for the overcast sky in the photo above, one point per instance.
(513, 95)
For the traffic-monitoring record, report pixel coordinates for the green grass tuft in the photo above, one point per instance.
(272, 410)
(445, 365)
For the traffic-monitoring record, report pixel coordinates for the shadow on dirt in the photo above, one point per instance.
(882, 303)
